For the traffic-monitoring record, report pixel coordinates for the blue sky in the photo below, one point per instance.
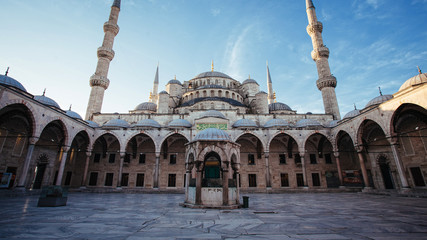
(52, 44)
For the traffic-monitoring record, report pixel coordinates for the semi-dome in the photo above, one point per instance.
(352, 114)
(174, 81)
(146, 106)
(276, 122)
(180, 123)
(250, 80)
(307, 123)
(210, 86)
(213, 113)
(147, 123)
(117, 123)
(212, 134)
(212, 74)
(415, 80)
(46, 101)
(278, 106)
(92, 124)
(245, 123)
(378, 100)
(6, 80)
(73, 114)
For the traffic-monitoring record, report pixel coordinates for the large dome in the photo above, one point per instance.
(47, 101)
(213, 74)
(212, 134)
(180, 123)
(278, 106)
(245, 123)
(147, 123)
(146, 106)
(6, 80)
(117, 123)
(378, 100)
(213, 113)
(415, 80)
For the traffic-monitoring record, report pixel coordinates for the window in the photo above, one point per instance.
(68, 178)
(407, 144)
(252, 180)
(316, 179)
(172, 159)
(109, 179)
(141, 158)
(251, 159)
(313, 159)
(282, 158)
(127, 158)
(417, 176)
(300, 180)
(125, 179)
(140, 180)
(172, 180)
(3, 135)
(423, 135)
(97, 157)
(93, 179)
(284, 179)
(112, 158)
(328, 158)
(297, 158)
(19, 145)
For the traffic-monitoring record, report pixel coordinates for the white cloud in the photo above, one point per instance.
(215, 11)
(234, 52)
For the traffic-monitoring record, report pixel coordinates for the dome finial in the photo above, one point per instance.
(70, 107)
(7, 71)
(354, 106)
(212, 66)
(419, 70)
(44, 91)
(249, 76)
(379, 88)
(174, 78)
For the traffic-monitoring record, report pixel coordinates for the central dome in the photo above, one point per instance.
(212, 134)
(213, 74)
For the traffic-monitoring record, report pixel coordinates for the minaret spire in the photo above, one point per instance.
(270, 96)
(153, 95)
(99, 81)
(320, 54)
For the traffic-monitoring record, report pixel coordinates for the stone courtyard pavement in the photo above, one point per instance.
(269, 216)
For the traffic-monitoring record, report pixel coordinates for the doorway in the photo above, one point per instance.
(212, 165)
(40, 169)
(386, 173)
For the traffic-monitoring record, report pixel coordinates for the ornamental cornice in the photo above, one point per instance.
(106, 52)
(322, 52)
(314, 27)
(111, 27)
(96, 80)
(329, 81)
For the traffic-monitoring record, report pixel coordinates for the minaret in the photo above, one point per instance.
(271, 96)
(320, 54)
(99, 81)
(153, 94)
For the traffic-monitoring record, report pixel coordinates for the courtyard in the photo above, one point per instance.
(269, 216)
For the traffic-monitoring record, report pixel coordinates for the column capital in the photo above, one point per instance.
(122, 154)
(267, 154)
(88, 153)
(33, 140)
(336, 154)
(65, 148)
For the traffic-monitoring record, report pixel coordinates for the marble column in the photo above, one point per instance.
(64, 150)
(267, 170)
(238, 187)
(156, 171)
(337, 158)
(199, 185)
(119, 179)
(88, 155)
(399, 164)
(363, 167)
(225, 187)
(24, 173)
(304, 170)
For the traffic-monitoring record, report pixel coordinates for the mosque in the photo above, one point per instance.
(215, 131)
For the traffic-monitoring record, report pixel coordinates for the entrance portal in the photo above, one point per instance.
(39, 176)
(212, 166)
(386, 173)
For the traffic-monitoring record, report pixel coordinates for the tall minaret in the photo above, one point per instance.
(270, 96)
(99, 81)
(153, 94)
(320, 54)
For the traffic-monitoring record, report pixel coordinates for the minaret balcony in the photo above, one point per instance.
(96, 80)
(106, 52)
(314, 27)
(320, 52)
(329, 81)
(111, 27)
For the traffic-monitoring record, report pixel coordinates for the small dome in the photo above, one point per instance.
(92, 124)
(146, 106)
(212, 134)
(212, 74)
(278, 106)
(210, 86)
(378, 100)
(261, 92)
(332, 123)
(47, 101)
(174, 81)
(163, 92)
(276, 123)
(307, 123)
(415, 80)
(180, 123)
(213, 113)
(73, 114)
(250, 80)
(352, 114)
(245, 123)
(6, 80)
(117, 123)
(147, 123)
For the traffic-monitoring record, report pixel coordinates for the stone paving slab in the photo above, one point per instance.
(269, 216)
